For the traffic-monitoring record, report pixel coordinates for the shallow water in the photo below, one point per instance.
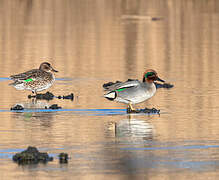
(94, 42)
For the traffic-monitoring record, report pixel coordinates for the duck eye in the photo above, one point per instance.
(46, 67)
(149, 74)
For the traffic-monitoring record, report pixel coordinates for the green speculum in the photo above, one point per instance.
(120, 89)
(28, 80)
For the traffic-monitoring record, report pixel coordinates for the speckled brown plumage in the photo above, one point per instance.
(35, 79)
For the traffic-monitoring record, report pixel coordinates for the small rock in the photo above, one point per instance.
(17, 107)
(63, 158)
(54, 106)
(107, 84)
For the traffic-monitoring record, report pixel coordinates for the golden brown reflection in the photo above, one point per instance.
(96, 41)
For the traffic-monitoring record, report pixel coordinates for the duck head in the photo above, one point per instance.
(45, 66)
(150, 76)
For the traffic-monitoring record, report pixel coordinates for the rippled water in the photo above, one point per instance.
(93, 42)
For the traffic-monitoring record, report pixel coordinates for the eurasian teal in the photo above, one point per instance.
(133, 91)
(36, 79)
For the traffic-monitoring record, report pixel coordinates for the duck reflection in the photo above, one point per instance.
(130, 127)
(44, 117)
(133, 131)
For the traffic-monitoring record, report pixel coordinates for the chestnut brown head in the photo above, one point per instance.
(150, 76)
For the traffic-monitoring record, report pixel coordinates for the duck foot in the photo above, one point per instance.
(145, 110)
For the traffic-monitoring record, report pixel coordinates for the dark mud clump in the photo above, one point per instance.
(63, 158)
(145, 110)
(54, 106)
(47, 96)
(17, 107)
(70, 96)
(106, 85)
(31, 156)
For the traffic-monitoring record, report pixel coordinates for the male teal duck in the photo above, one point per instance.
(133, 91)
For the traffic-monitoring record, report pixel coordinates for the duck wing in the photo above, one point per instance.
(29, 75)
(121, 85)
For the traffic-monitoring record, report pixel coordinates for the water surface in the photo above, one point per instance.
(94, 42)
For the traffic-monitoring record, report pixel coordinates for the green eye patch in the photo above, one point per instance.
(149, 74)
(28, 80)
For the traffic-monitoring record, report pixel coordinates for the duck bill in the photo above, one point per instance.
(161, 80)
(54, 70)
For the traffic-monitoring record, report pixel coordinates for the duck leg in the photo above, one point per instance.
(35, 92)
(130, 108)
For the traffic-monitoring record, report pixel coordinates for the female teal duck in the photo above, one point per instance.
(133, 91)
(36, 79)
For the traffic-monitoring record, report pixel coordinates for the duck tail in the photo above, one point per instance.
(110, 95)
(14, 83)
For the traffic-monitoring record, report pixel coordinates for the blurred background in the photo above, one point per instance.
(91, 42)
